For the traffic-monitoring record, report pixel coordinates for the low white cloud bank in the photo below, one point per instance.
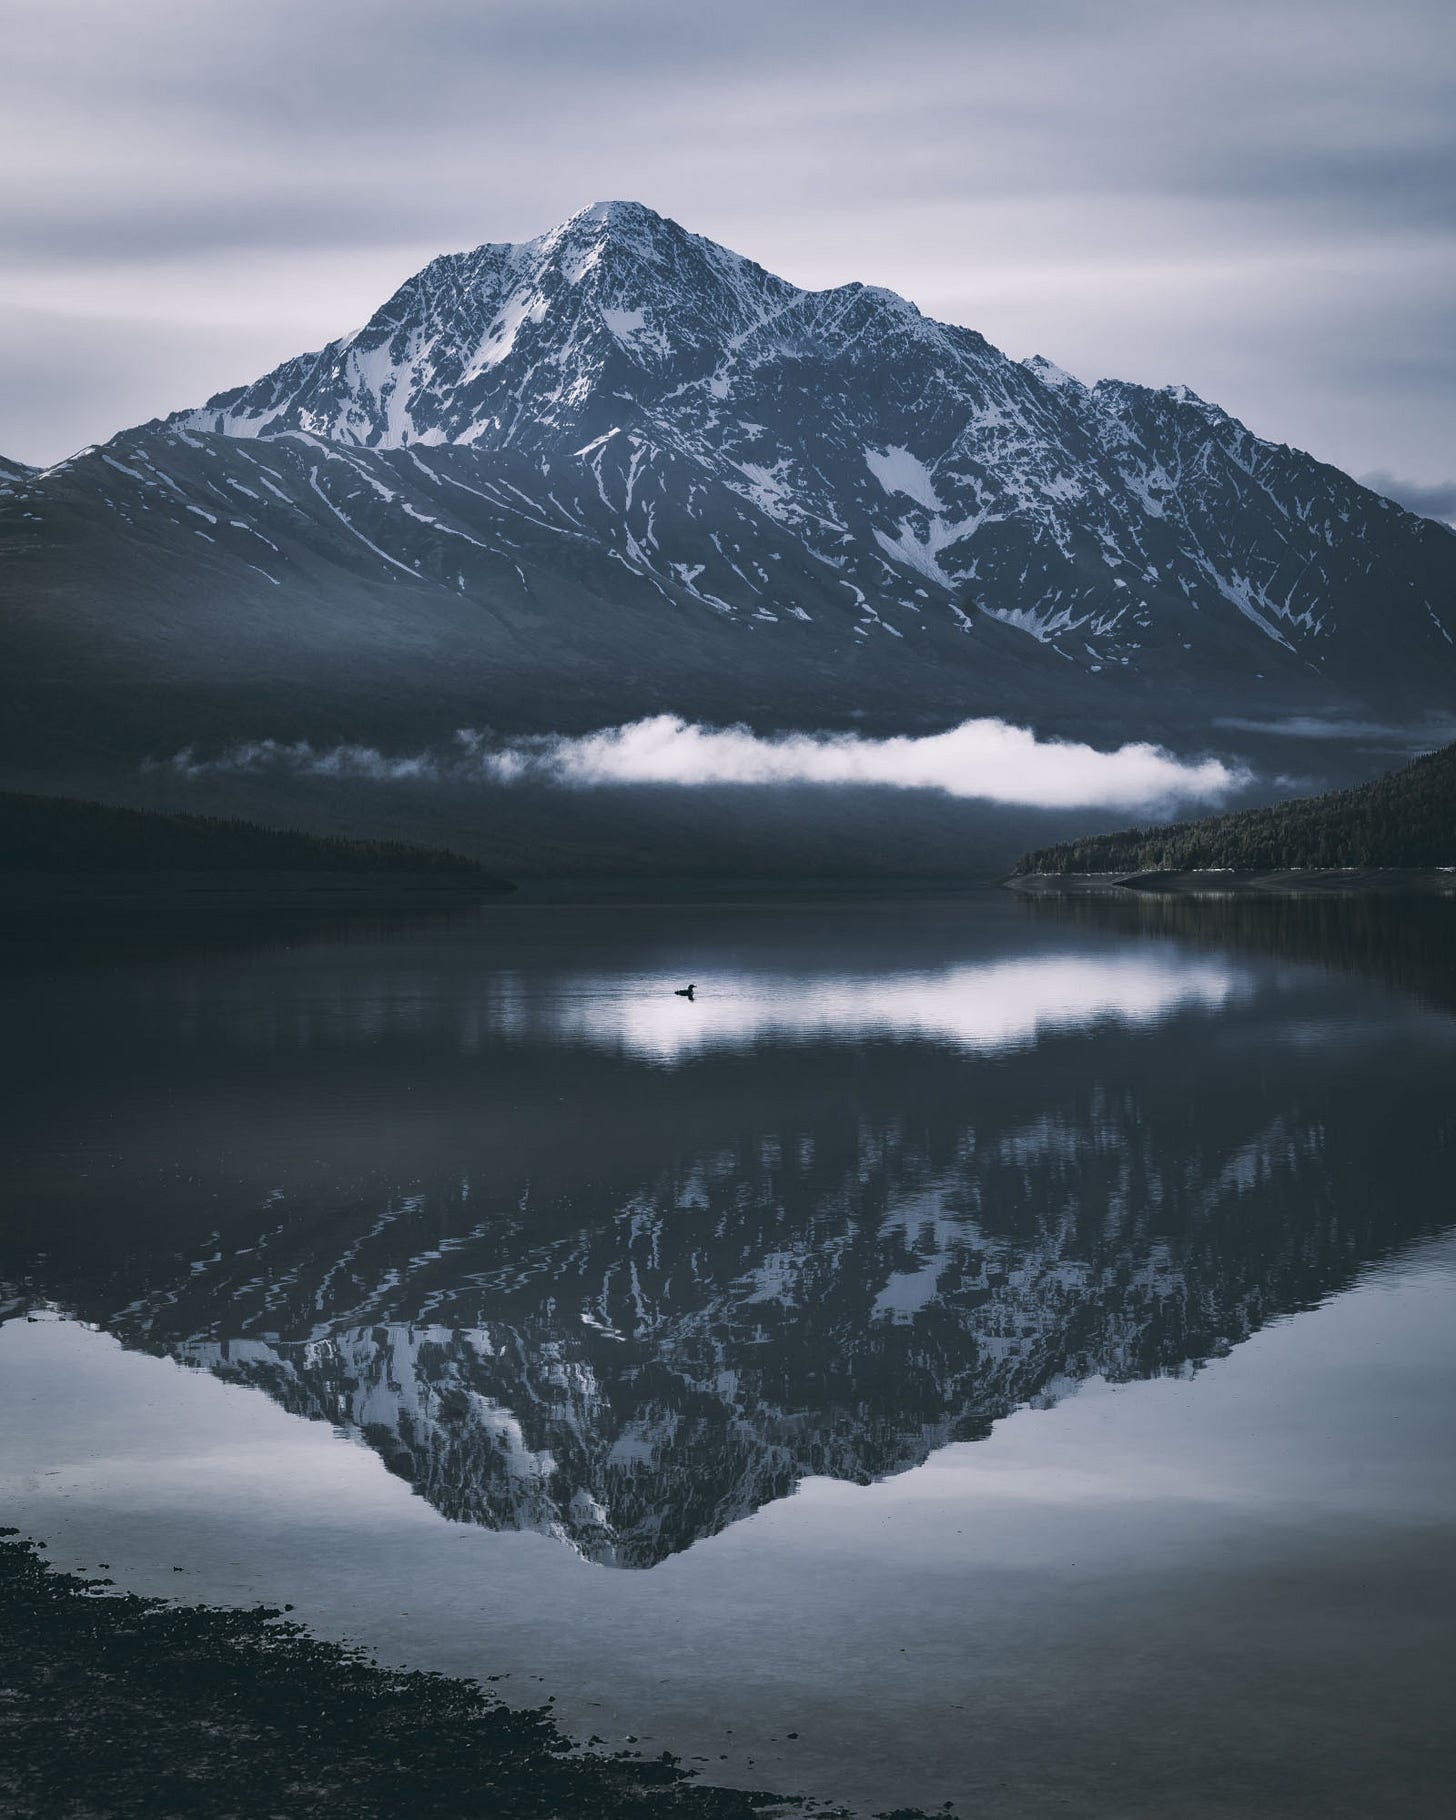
(989, 760)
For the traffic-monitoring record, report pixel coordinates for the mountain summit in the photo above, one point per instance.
(619, 469)
(513, 346)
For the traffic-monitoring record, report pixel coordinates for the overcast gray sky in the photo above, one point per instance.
(1255, 199)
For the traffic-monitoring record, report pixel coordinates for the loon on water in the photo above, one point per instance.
(684, 991)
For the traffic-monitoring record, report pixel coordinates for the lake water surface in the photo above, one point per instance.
(972, 1352)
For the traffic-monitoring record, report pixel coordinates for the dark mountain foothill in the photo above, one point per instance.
(60, 851)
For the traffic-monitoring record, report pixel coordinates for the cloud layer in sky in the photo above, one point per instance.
(986, 760)
(1438, 501)
(1252, 199)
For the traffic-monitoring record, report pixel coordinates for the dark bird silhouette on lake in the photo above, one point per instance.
(685, 992)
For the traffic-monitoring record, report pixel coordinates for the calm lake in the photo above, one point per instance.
(973, 1351)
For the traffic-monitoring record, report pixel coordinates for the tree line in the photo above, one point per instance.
(1406, 818)
(65, 834)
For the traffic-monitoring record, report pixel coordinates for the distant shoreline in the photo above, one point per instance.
(216, 895)
(222, 893)
(1311, 881)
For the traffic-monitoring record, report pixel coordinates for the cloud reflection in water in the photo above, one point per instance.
(980, 1009)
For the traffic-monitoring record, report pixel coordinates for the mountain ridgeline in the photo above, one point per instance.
(619, 469)
(1405, 819)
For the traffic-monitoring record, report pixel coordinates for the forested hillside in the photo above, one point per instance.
(1406, 818)
(62, 834)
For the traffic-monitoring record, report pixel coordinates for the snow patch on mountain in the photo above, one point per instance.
(898, 471)
(1053, 377)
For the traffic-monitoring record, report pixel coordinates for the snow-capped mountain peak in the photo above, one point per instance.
(1053, 377)
(487, 347)
(622, 453)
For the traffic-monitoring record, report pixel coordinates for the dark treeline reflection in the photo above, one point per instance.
(574, 1255)
(1405, 942)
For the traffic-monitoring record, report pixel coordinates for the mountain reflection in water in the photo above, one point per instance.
(576, 1255)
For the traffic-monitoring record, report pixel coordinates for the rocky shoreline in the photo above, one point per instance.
(1345, 881)
(116, 1705)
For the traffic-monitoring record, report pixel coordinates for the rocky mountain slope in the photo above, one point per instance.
(619, 469)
